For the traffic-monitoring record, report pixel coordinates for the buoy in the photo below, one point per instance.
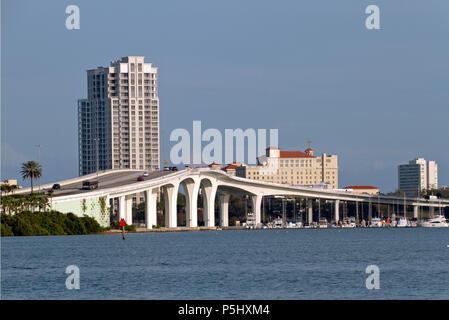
(122, 224)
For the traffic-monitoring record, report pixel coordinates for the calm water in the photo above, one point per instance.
(260, 264)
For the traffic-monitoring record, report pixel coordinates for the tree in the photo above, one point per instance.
(5, 188)
(50, 194)
(31, 170)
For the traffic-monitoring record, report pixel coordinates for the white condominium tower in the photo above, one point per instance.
(118, 123)
(417, 175)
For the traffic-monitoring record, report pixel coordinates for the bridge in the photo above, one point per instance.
(213, 183)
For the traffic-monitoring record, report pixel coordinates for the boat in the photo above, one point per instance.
(250, 221)
(348, 223)
(322, 223)
(278, 223)
(394, 223)
(375, 223)
(294, 225)
(435, 222)
(402, 223)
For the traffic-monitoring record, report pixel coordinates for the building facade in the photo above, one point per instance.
(292, 167)
(118, 123)
(363, 189)
(417, 175)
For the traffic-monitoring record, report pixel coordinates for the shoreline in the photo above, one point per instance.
(186, 229)
(177, 229)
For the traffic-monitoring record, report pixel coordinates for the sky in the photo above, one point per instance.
(376, 98)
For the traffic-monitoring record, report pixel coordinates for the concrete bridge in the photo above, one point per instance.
(213, 183)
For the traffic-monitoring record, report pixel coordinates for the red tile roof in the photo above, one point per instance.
(361, 187)
(213, 164)
(230, 166)
(295, 154)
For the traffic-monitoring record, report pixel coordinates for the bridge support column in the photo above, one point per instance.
(150, 208)
(129, 209)
(256, 204)
(310, 211)
(171, 211)
(224, 206)
(337, 211)
(122, 207)
(415, 212)
(191, 193)
(209, 192)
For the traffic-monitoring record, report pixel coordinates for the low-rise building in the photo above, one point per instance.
(231, 168)
(363, 189)
(10, 182)
(292, 167)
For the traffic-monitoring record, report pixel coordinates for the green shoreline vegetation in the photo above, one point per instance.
(29, 223)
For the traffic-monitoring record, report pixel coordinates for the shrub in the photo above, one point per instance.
(47, 223)
(6, 230)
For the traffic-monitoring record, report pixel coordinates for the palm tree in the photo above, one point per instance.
(13, 188)
(50, 194)
(31, 169)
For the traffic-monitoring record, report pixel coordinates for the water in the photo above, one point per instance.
(257, 264)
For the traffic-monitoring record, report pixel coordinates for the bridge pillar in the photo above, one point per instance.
(191, 194)
(310, 211)
(224, 206)
(129, 209)
(257, 203)
(171, 211)
(122, 207)
(415, 212)
(337, 211)
(209, 192)
(150, 208)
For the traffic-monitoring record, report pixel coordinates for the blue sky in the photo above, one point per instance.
(377, 98)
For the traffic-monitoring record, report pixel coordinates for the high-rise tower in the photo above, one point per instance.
(118, 123)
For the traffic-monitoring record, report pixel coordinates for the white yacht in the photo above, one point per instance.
(294, 225)
(435, 222)
(402, 223)
(348, 223)
(375, 223)
(322, 223)
(278, 223)
(250, 221)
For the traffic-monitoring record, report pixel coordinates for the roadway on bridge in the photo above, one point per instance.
(107, 181)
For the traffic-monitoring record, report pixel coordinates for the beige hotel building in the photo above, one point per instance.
(292, 167)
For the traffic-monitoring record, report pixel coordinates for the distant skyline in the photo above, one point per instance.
(376, 98)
